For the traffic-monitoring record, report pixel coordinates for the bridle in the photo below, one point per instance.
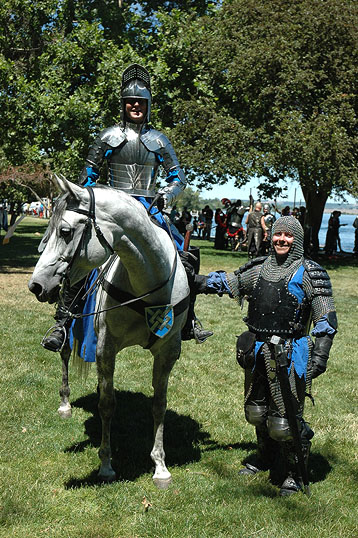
(91, 220)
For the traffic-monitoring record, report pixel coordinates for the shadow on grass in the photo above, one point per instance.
(132, 437)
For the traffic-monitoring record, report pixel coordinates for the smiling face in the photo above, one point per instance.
(136, 109)
(282, 243)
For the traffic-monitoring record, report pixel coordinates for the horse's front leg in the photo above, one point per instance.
(65, 407)
(161, 371)
(105, 369)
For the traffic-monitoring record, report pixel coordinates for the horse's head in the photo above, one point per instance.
(70, 247)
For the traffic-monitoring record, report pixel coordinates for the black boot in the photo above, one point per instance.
(193, 329)
(293, 482)
(56, 336)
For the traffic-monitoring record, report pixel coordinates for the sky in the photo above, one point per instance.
(242, 193)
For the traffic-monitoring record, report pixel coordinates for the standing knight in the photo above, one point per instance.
(285, 292)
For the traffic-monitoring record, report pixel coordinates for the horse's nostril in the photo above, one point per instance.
(35, 288)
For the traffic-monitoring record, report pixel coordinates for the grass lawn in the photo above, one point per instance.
(49, 465)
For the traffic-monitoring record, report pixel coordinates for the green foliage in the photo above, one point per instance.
(48, 465)
(243, 88)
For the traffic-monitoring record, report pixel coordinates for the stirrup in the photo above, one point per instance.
(249, 470)
(200, 334)
(52, 329)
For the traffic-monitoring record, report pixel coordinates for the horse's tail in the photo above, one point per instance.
(81, 367)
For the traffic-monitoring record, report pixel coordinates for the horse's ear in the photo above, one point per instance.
(65, 185)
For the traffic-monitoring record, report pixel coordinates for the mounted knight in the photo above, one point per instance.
(134, 151)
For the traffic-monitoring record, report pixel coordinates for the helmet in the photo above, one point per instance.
(136, 83)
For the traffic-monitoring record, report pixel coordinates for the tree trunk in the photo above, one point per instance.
(315, 204)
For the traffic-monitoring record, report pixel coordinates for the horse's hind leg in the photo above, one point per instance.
(65, 407)
(161, 371)
(106, 406)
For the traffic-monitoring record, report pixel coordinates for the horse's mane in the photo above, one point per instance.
(60, 207)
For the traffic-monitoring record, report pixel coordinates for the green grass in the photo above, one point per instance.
(48, 465)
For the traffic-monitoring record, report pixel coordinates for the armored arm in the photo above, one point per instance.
(159, 144)
(318, 287)
(101, 148)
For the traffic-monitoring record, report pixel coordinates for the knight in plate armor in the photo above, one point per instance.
(285, 292)
(134, 151)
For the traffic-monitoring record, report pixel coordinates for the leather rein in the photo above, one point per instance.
(91, 220)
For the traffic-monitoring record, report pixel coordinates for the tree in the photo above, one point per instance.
(60, 72)
(268, 88)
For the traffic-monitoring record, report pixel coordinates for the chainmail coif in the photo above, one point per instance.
(275, 268)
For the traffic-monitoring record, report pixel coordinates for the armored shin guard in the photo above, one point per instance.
(293, 481)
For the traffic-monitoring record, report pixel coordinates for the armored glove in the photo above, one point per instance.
(320, 355)
(160, 201)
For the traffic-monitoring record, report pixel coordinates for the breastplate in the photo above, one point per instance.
(235, 219)
(132, 168)
(274, 310)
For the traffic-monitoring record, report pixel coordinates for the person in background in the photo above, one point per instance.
(208, 216)
(256, 231)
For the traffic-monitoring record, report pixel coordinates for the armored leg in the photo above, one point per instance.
(56, 338)
(193, 328)
(293, 483)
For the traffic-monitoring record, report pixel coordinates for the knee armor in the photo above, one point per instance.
(256, 414)
(278, 429)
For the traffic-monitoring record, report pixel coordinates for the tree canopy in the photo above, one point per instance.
(243, 88)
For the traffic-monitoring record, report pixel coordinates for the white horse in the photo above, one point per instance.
(77, 242)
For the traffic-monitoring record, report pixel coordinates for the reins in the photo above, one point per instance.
(91, 219)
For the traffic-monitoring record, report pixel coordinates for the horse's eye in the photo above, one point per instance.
(66, 233)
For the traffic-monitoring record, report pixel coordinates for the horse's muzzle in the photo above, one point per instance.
(42, 294)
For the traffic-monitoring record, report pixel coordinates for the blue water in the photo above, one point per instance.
(346, 233)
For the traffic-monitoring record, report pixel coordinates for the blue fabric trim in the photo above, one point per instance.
(172, 176)
(108, 153)
(323, 327)
(299, 356)
(178, 238)
(295, 284)
(217, 281)
(82, 329)
(92, 176)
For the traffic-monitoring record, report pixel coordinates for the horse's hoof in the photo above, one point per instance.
(106, 478)
(162, 483)
(65, 411)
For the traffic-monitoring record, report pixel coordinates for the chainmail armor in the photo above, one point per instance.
(273, 268)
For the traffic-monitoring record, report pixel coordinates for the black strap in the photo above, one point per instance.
(138, 305)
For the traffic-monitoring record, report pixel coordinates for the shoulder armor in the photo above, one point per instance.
(154, 140)
(256, 261)
(113, 136)
(319, 278)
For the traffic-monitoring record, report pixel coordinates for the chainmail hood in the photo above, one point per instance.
(273, 268)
